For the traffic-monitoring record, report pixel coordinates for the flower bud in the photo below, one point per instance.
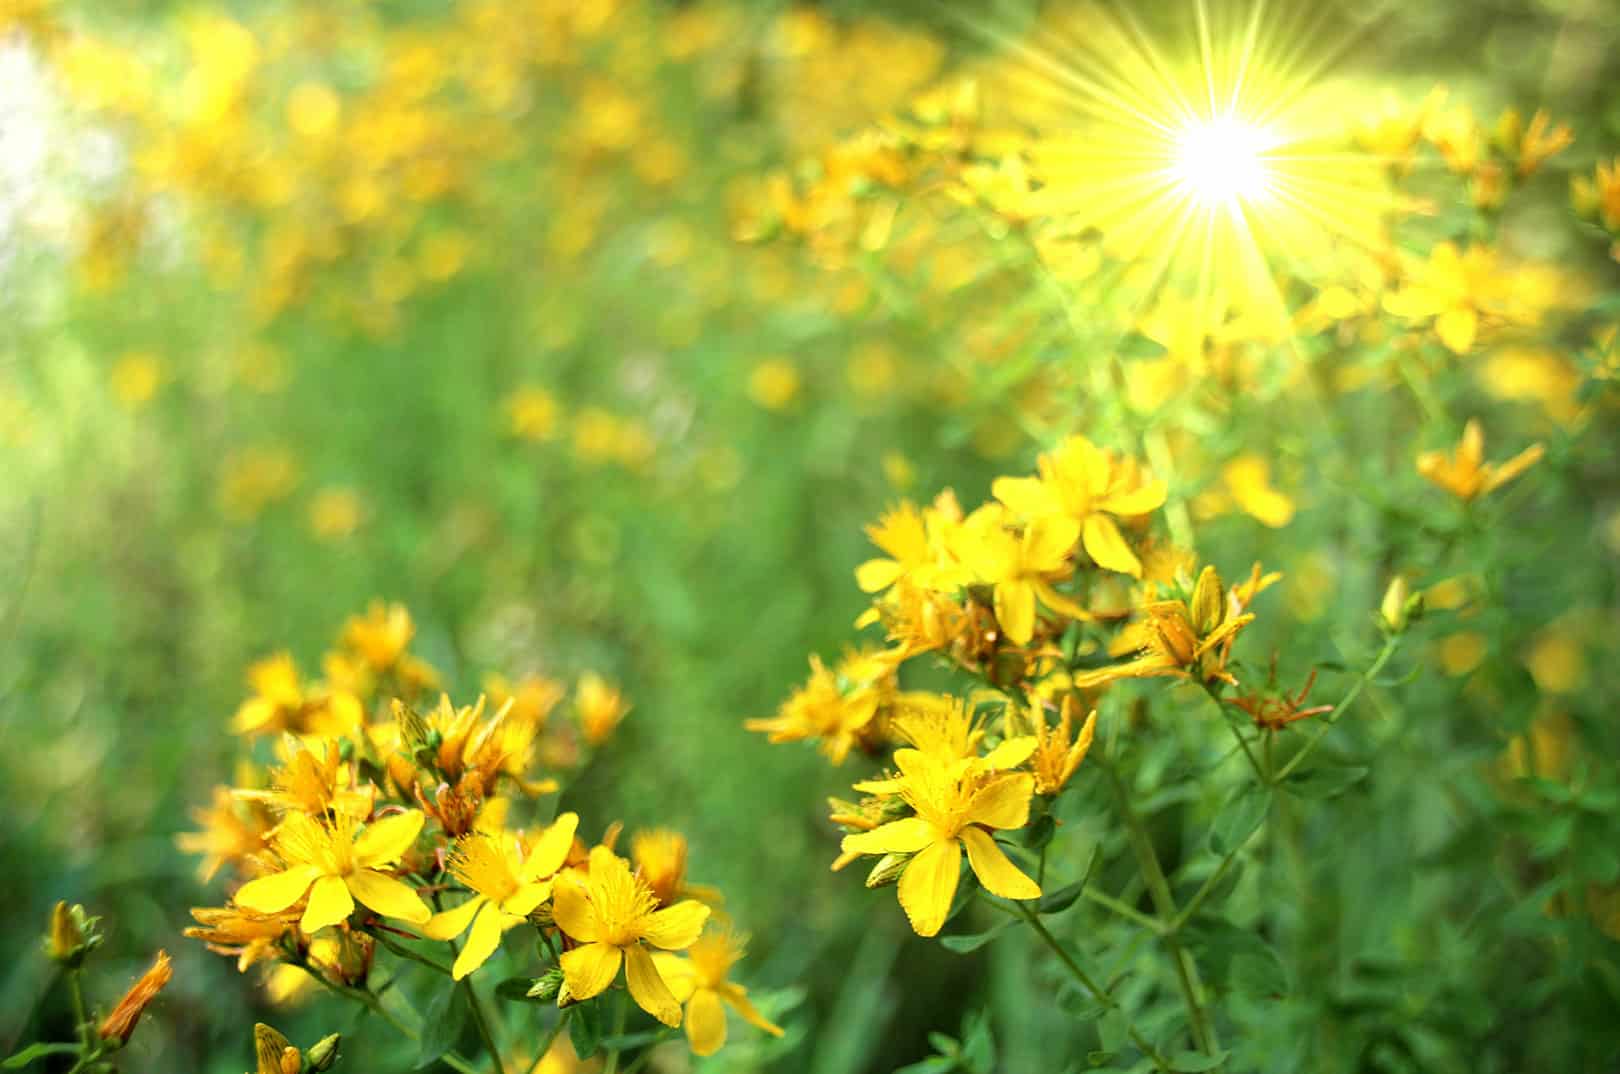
(1208, 608)
(323, 1053)
(1400, 606)
(887, 870)
(546, 986)
(71, 935)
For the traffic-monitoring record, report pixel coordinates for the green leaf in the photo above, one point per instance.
(585, 1029)
(1055, 902)
(37, 1051)
(442, 1022)
(1196, 1062)
(961, 945)
(1040, 833)
(1114, 1030)
(1135, 345)
(625, 1041)
(1325, 781)
(1238, 818)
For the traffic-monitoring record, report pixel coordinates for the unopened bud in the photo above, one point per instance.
(324, 1052)
(887, 870)
(270, 1050)
(1208, 608)
(547, 986)
(72, 935)
(1400, 606)
(117, 1027)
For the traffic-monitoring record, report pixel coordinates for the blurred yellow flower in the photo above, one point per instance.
(255, 478)
(774, 384)
(532, 414)
(699, 982)
(1465, 473)
(1248, 479)
(136, 378)
(1454, 288)
(600, 707)
(335, 513)
(313, 110)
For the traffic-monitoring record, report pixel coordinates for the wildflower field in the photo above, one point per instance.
(620, 536)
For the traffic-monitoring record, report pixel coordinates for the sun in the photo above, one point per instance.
(1222, 162)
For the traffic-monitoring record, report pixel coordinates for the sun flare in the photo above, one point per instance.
(1223, 161)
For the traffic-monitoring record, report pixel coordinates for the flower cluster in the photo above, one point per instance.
(1048, 595)
(385, 818)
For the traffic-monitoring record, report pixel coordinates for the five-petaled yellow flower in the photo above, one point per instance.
(956, 805)
(337, 864)
(507, 886)
(613, 915)
(1094, 488)
(1020, 568)
(699, 981)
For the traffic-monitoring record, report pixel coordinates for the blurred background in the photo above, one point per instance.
(307, 304)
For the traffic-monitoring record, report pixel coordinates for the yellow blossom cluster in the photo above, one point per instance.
(387, 816)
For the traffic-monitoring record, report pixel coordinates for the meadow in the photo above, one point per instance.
(1081, 536)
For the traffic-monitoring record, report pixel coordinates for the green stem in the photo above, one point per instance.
(81, 1019)
(372, 1003)
(1254, 763)
(405, 952)
(1098, 992)
(482, 1025)
(1159, 887)
(1325, 725)
(1202, 893)
(1130, 913)
(612, 1064)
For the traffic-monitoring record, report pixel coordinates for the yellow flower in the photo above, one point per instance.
(335, 513)
(231, 833)
(1454, 288)
(600, 707)
(251, 937)
(337, 864)
(612, 915)
(956, 806)
(313, 783)
(660, 860)
(1538, 141)
(532, 414)
(506, 885)
(136, 378)
(699, 982)
(946, 729)
(1094, 488)
(380, 636)
(1057, 756)
(1248, 478)
(1465, 474)
(1020, 567)
(1599, 195)
(840, 707)
(774, 384)
(1184, 640)
(280, 703)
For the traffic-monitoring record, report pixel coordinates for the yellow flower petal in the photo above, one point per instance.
(677, 927)
(329, 903)
(678, 973)
(386, 839)
(876, 575)
(1026, 496)
(452, 923)
(1047, 542)
(905, 836)
(1015, 610)
(387, 896)
(1107, 547)
(705, 1022)
(1145, 500)
(1003, 802)
(647, 988)
(737, 996)
(928, 885)
(588, 970)
(1457, 329)
(998, 875)
(574, 914)
(551, 849)
(482, 940)
(521, 903)
(274, 893)
(1011, 753)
